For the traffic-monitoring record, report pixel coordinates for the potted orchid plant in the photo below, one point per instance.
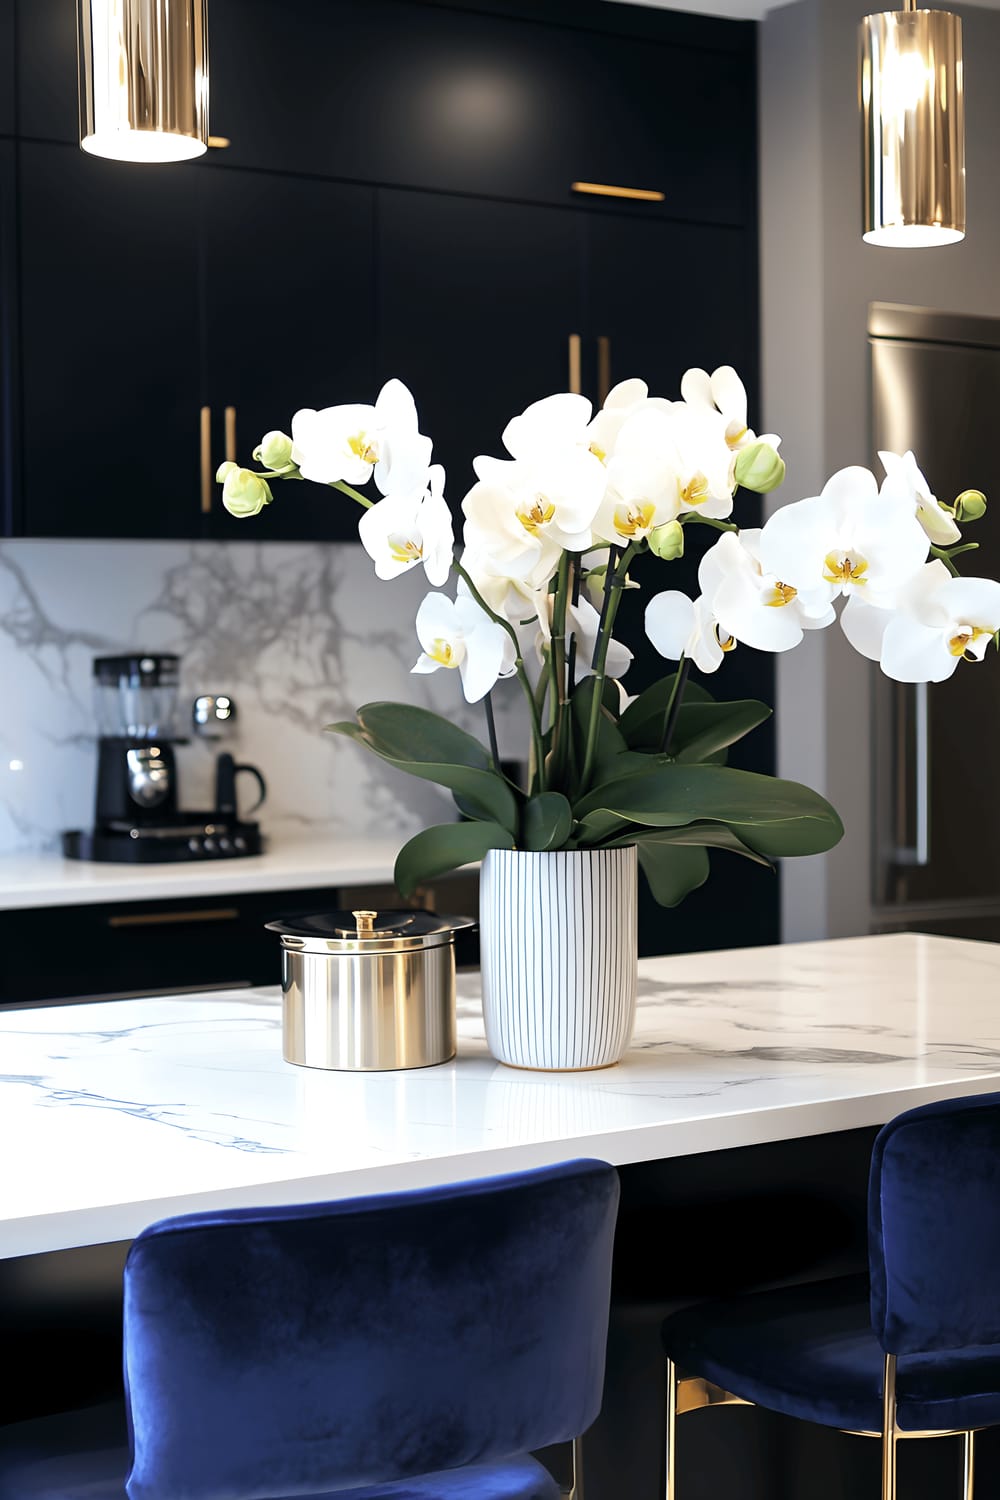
(550, 534)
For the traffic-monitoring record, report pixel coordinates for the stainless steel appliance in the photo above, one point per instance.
(137, 818)
(368, 991)
(936, 390)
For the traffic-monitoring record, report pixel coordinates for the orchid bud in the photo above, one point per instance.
(224, 470)
(274, 450)
(245, 493)
(667, 541)
(970, 506)
(760, 468)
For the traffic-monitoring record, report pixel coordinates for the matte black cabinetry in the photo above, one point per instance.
(7, 102)
(9, 341)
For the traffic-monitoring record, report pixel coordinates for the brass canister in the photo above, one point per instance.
(367, 991)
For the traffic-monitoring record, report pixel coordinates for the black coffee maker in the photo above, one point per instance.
(136, 816)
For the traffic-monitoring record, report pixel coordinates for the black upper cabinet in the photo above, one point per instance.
(10, 488)
(109, 346)
(8, 111)
(422, 95)
(477, 301)
(289, 298)
(47, 103)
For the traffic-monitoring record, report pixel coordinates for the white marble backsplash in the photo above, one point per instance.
(299, 635)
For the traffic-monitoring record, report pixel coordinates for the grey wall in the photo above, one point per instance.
(818, 277)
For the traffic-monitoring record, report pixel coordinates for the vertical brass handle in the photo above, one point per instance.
(603, 368)
(206, 460)
(575, 380)
(231, 433)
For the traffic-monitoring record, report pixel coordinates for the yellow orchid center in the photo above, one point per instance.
(443, 652)
(735, 435)
(599, 452)
(405, 550)
(964, 638)
(361, 446)
(780, 595)
(845, 568)
(696, 491)
(533, 517)
(726, 642)
(634, 520)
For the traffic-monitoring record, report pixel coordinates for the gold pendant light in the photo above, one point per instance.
(144, 79)
(913, 128)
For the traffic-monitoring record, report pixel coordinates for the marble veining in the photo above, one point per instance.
(300, 635)
(117, 1113)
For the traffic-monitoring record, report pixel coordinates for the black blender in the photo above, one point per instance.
(137, 819)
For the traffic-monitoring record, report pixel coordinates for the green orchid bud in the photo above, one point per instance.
(245, 493)
(667, 541)
(970, 506)
(224, 470)
(274, 450)
(760, 468)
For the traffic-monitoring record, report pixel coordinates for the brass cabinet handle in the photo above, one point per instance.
(603, 368)
(607, 190)
(170, 918)
(574, 364)
(206, 460)
(218, 142)
(230, 415)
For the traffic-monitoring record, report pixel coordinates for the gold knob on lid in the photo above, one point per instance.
(366, 922)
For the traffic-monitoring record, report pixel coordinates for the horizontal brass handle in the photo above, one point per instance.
(219, 142)
(172, 918)
(606, 190)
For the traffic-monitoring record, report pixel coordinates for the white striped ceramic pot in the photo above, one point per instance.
(559, 952)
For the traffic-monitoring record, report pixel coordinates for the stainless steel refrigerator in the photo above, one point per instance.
(935, 387)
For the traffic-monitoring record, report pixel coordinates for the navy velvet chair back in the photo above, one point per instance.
(934, 1227)
(288, 1351)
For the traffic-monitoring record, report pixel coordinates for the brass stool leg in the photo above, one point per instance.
(968, 1465)
(671, 1429)
(889, 1429)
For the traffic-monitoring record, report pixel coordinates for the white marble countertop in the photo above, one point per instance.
(290, 863)
(118, 1113)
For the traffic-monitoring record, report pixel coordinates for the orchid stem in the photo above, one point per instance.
(557, 661)
(347, 489)
(491, 726)
(676, 699)
(520, 673)
(707, 521)
(612, 598)
(946, 555)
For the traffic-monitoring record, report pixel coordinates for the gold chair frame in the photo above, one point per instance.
(690, 1393)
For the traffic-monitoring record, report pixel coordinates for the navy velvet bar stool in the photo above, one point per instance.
(910, 1351)
(416, 1346)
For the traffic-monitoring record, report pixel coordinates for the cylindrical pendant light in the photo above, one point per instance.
(913, 128)
(144, 78)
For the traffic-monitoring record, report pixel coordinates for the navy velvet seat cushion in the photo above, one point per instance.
(810, 1352)
(83, 1455)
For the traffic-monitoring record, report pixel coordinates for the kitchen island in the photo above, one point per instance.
(741, 1119)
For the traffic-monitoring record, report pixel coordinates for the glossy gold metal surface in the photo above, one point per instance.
(230, 427)
(913, 128)
(608, 190)
(205, 435)
(143, 78)
(369, 1012)
(575, 378)
(603, 368)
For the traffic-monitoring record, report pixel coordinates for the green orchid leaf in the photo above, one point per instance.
(642, 722)
(448, 846)
(425, 745)
(694, 835)
(773, 817)
(673, 871)
(703, 729)
(547, 822)
(610, 740)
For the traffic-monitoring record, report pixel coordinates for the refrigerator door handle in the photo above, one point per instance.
(918, 852)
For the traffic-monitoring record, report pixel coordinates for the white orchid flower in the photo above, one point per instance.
(755, 607)
(548, 426)
(350, 443)
(678, 626)
(848, 540)
(619, 404)
(404, 531)
(523, 513)
(643, 492)
(724, 391)
(456, 633)
(902, 473)
(676, 455)
(522, 602)
(940, 621)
